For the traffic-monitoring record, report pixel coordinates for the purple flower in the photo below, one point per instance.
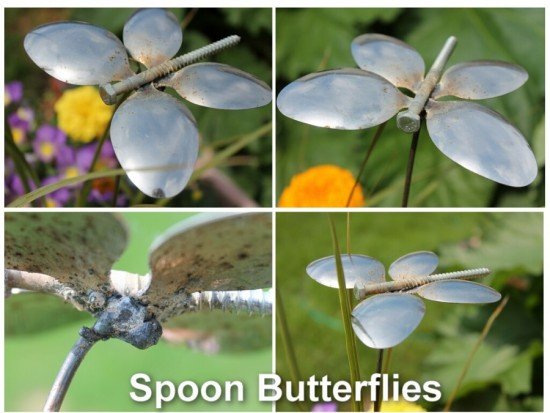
(21, 122)
(13, 92)
(56, 198)
(325, 407)
(65, 156)
(48, 142)
(14, 188)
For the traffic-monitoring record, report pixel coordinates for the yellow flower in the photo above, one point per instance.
(82, 115)
(322, 186)
(399, 406)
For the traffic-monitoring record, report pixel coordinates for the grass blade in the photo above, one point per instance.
(470, 358)
(346, 315)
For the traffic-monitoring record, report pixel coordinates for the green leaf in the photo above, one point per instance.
(509, 242)
(306, 38)
(517, 379)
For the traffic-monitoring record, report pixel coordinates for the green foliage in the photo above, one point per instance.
(309, 40)
(507, 370)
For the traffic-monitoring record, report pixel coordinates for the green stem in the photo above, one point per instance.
(378, 400)
(410, 165)
(346, 316)
(23, 168)
(85, 190)
(387, 363)
(48, 189)
(19, 168)
(284, 333)
(470, 358)
(377, 134)
(115, 191)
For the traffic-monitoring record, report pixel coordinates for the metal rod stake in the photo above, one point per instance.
(67, 371)
(409, 120)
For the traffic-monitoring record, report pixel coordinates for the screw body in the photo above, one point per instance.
(361, 291)
(109, 92)
(252, 301)
(409, 120)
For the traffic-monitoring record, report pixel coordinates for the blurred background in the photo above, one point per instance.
(240, 176)
(507, 371)
(310, 40)
(40, 331)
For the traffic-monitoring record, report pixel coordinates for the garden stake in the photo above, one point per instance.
(151, 130)
(471, 135)
(398, 311)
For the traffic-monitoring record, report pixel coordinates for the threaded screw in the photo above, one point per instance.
(252, 301)
(109, 92)
(361, 291)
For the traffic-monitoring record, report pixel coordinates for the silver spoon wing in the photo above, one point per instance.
(219, 86)
(341, 99)
(482, 79)
(482, 141)
(156, 141)
(415, 264)
(385, 320)
(209, 252)
(152, 36)
(76, 249)
(458, 291)
(390, 58)
(358, 269)
(78, 53)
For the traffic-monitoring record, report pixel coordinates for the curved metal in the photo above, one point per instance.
(390, 58)
(341, 99)
(78, 53)
(209, 252)
(152, 36)
(358, 269)
(219, 86)
(482, 79)
(385, 320)
(76, 249)
(482, 141)
(458, 291)
(66, 373)
(156, 141)
(415, 264)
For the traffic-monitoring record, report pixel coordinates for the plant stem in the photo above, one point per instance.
(410, 165)
(387, 363)
(115, 191)
(287, 342)
(377, 134)
(85, 190)
(378, 401)
(470, 358)
(346, 316)
(67, 372)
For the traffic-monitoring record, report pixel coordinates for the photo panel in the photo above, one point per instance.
(419, 107)
(131, 107)
(455, 325)
(180, 299)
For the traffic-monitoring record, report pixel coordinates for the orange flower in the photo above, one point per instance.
(322, 186)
